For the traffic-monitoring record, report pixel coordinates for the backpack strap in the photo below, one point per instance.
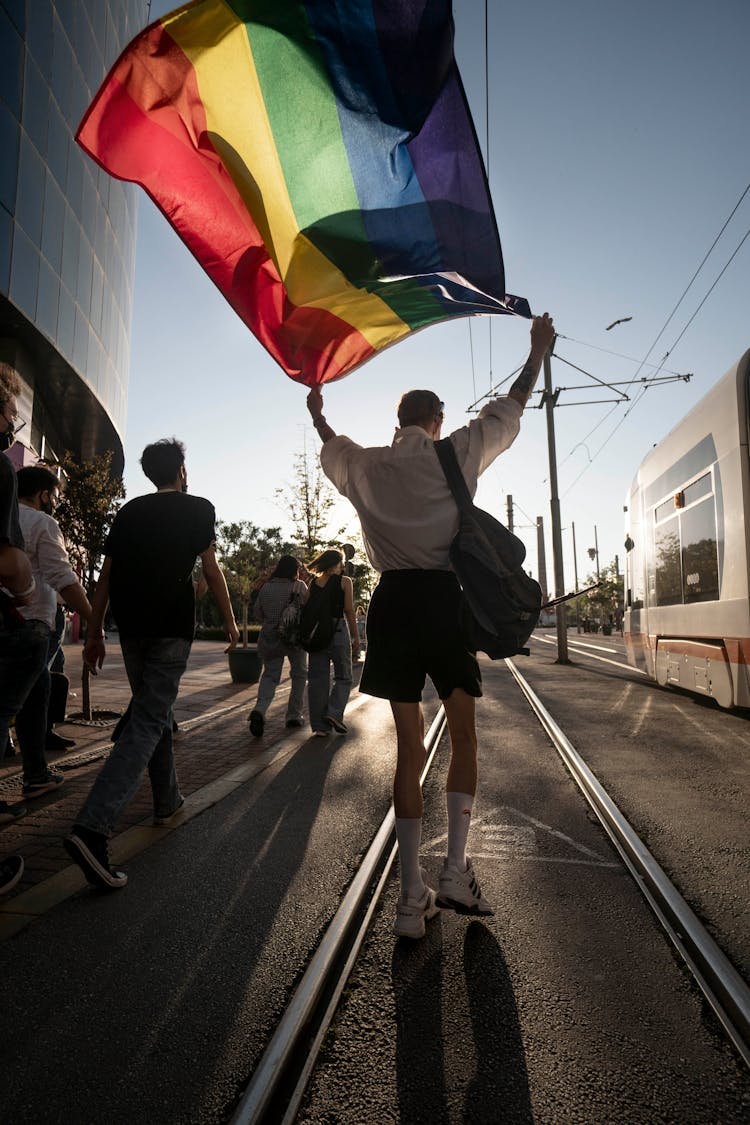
(453, 475)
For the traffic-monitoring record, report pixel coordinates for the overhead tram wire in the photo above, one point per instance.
(471, 352)
(690, 283)
(645, 383)
(608, 351)
(719, 276)
(648, 382)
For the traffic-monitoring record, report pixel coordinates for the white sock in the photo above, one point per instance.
(409, 836)
(459, 807)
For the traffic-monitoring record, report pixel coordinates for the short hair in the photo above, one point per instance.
(326, 560)
(417, 408)
(36, 478)
(286, 567)
(162, 460)
(10, 384)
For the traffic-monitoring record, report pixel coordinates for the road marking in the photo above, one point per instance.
(642, 717)
(694, 722)
(604, 659)
(598, 648)
(498, 838)
(624, 698)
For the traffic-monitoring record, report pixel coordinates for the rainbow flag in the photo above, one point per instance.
(320, 162)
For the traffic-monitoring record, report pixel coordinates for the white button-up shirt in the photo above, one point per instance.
(406, 509)
(49, 563)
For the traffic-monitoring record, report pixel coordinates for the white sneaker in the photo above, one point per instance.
(411, 914)
(459, 891)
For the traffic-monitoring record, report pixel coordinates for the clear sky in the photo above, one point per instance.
(619, 143)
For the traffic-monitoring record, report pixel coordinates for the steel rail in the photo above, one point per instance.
(717, 978)
(276, 1058)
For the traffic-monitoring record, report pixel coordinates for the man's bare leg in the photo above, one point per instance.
(458, 885)
(462, 774)
(407, 794)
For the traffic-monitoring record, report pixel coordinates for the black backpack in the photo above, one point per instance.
(317, 623)
(501, 603)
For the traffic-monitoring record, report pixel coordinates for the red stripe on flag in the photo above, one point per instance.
(157, 137)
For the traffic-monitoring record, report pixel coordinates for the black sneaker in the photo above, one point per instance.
(89, 850)
(11, 870)
(338, 724)
(9, 813)
(53, 780)
(295, 723)
(257, 723)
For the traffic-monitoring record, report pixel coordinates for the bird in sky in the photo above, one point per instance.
(622, 320)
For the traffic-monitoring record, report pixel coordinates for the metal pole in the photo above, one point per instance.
(510, 512)
(596, 547)
(549, 402)
(541, 558)
(575, 572)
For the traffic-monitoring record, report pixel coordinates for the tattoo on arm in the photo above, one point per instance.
(524, 384)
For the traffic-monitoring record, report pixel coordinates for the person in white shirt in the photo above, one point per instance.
(37, 491)
(409, 518)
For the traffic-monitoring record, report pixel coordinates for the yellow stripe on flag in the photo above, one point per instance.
(241, 134)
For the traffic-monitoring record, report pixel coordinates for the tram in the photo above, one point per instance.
(687, 563)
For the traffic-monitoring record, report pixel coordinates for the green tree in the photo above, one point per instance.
(90, 499)
(364, 578)
(309, 501)
(600, 603)
(247, 554)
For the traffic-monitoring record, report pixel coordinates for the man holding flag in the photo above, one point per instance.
(409, 519)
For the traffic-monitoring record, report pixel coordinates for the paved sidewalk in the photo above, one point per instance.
(213, 740)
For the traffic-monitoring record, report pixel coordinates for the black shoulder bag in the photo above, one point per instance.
(501, 603)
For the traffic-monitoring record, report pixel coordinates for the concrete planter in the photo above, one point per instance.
(245, 665)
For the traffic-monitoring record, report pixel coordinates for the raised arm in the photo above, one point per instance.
(542, 335)
(315, 406)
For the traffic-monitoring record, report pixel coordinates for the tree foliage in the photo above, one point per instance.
(247, 553)
(364, 578)
(309, 501)
(600, 603)
(90, 500)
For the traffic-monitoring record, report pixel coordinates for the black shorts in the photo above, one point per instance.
(413, 631)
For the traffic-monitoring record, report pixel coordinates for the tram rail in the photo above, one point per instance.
(717, 978)
(325, 978)
(278, 1083)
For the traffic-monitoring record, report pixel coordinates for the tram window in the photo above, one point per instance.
(668, 569)
(664, 511)
(697, 489)
(699, 559)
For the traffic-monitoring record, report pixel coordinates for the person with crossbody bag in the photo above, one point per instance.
(329, 633)
(409, 520)
(284, 591)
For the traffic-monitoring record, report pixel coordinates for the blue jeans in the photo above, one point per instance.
(24, 693)
(154, 666)
(269, 681)
(322, 699)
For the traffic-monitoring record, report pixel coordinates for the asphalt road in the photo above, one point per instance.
(567, 1006)
(154, 1003)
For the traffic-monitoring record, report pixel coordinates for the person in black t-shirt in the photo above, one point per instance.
(147, 578)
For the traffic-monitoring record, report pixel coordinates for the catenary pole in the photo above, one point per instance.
(560, 614)
(575, 574)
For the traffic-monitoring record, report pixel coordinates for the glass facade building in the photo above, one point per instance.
(67, 229)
